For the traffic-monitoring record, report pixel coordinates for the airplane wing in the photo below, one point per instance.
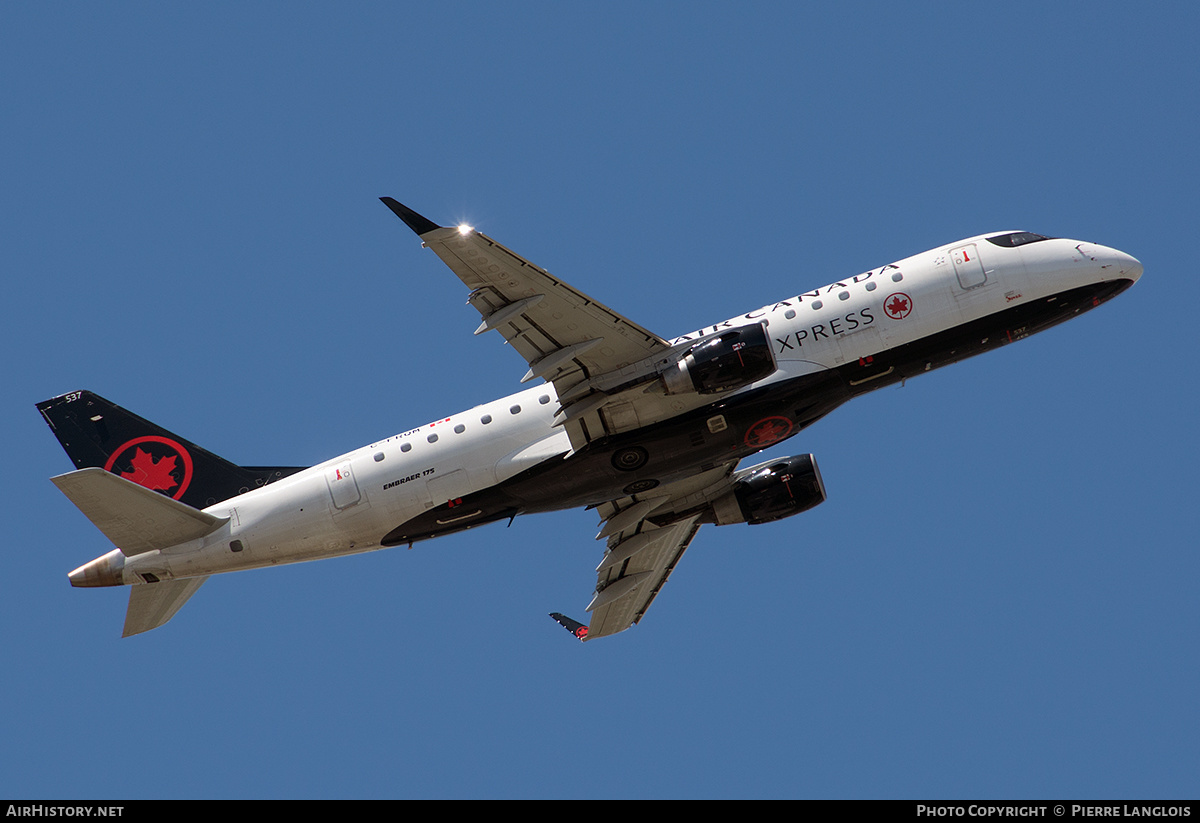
(625, 590)
(565, 336)
(647, 535)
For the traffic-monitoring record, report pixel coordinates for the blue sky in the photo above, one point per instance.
(998, 598)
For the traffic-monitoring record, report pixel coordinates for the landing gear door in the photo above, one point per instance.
(968, 267)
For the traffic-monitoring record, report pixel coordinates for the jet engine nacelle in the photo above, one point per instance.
(727, 361)
(771, 491)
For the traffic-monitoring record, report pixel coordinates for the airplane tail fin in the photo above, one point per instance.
(96, 433)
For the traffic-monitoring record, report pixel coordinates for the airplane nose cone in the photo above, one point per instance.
(1129, 266)
(1114, 264)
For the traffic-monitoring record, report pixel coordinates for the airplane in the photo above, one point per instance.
(647, 431)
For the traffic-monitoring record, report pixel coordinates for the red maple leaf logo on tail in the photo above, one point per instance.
(151, 473)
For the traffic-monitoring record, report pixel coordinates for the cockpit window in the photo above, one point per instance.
(1017, 238)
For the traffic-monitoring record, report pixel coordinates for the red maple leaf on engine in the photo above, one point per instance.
(151, 473)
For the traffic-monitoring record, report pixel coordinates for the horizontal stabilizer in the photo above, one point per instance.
(152, 604)
(134, 518)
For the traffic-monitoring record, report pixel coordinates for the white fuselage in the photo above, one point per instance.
(347, 504)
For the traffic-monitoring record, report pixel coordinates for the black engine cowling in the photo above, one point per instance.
(728, 361)
(772, 491)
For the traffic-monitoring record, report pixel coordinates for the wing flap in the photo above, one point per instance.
(134, 518)
(647, 537)
(628, 588)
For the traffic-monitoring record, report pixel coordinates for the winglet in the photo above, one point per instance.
(418, 223)
(573, 626)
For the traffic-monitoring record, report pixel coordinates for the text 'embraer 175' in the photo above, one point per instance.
(648, 431)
